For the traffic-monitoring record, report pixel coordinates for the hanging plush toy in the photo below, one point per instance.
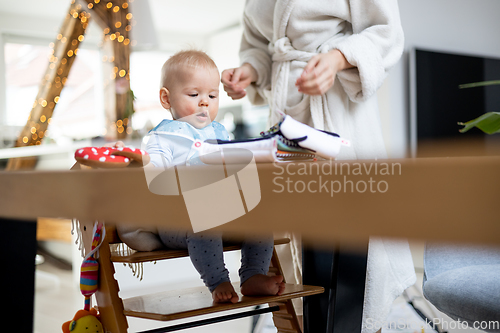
(84, 321)
(87, 320)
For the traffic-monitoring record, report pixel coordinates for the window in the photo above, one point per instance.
(24, 68)
(145, 73)
(79, 113)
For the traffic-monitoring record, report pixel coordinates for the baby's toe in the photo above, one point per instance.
(281, 288)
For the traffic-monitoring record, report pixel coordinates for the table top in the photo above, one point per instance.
(449, 199)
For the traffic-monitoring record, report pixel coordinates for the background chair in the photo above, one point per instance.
(464, 282)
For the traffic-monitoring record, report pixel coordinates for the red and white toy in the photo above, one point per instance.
(110, 157)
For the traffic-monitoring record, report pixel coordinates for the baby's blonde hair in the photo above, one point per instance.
(189, 58)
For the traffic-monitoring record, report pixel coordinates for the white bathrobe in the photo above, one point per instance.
(279, 38)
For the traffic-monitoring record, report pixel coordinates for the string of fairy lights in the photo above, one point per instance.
(62, 54)
(120, 125)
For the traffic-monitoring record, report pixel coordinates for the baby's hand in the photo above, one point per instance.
(117, 144)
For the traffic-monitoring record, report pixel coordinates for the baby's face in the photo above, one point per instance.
(194, 97)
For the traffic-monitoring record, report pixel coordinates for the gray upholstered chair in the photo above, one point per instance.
(464, 283)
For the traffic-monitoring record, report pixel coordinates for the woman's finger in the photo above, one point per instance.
(313, 82)
(236, 76)
(320, 89)
(319, 85)
(238, 95)
(227, 75)
(235, 93)
(310, 66)
(232, 89)
(320, 79)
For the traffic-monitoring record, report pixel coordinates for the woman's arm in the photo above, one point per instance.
(376, 45)
(361, 60)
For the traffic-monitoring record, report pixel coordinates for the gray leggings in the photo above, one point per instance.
(205, 251)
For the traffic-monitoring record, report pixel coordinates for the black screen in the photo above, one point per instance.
(440, 104)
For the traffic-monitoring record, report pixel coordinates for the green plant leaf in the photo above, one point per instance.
(479, 84)
(489, 123)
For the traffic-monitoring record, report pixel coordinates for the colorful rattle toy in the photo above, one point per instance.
(89, 275)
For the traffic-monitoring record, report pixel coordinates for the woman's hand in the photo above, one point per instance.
(235, 80)
(319, 74)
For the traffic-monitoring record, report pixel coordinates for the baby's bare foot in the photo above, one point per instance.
(260, 285)
(224, 292)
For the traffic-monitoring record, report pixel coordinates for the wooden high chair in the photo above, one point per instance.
(179, 304)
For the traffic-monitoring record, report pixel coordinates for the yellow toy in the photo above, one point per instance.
(84, 322)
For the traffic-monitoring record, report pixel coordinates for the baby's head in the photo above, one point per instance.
(189, 88)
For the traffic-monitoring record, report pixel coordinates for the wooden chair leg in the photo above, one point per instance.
(109, 303)
(285, 319)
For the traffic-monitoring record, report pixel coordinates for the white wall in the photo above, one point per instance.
(457, 26)
(224, 47)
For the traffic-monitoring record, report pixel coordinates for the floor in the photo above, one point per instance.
(57, 298)
(57, 294)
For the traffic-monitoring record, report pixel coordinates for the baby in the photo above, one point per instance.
(190, 91)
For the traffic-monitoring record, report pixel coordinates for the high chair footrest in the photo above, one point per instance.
(131, 256)
(213, 320)
(178, 304)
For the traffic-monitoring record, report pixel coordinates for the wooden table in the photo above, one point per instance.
(447, 199)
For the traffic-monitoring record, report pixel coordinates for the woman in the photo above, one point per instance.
(321, 62)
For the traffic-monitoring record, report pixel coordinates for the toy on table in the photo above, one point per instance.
(110, 157)
(87, 320)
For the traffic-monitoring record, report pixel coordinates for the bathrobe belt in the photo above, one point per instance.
(283, 53)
